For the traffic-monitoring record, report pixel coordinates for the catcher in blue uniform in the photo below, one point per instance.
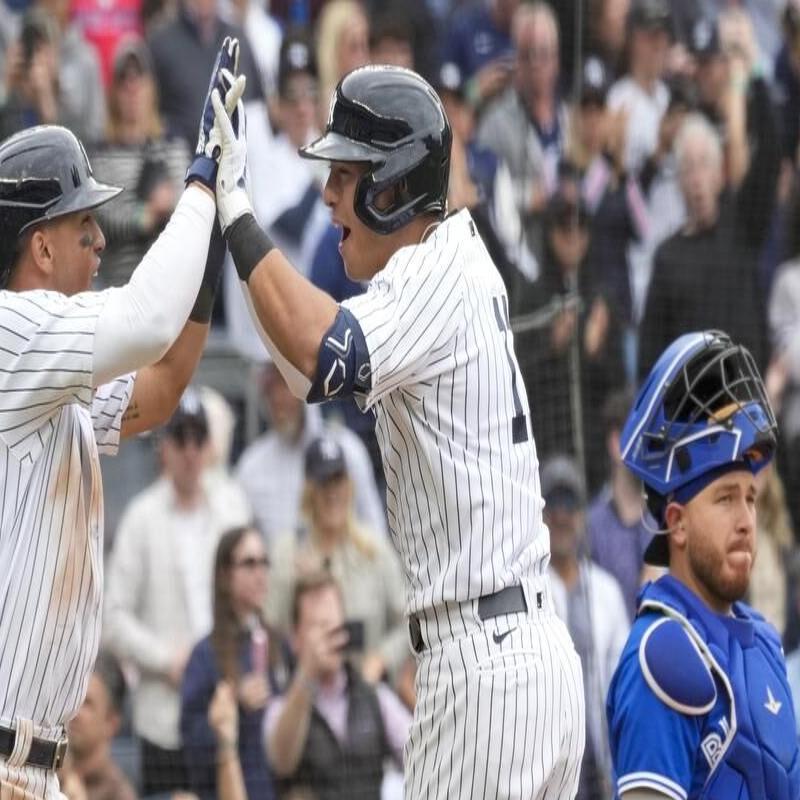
(699, 706)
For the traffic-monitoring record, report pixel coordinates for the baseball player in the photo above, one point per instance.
(428, 348)
(67, 391)
(700, 706)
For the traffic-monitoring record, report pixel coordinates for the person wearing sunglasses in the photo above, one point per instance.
(159, 600)
(243, 653)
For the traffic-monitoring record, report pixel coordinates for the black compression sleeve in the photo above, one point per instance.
(248, 244)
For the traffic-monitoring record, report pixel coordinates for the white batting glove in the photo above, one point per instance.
(233, 199)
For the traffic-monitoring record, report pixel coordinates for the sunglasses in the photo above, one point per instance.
(251, 562)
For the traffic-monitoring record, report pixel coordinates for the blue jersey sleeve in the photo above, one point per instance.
(652, 745)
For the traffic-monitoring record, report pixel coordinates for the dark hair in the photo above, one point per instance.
(391, 24)
(107, 668)
(225, 634)
(311, 582)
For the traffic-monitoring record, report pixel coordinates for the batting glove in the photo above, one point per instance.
(204, 166)
(233, 199)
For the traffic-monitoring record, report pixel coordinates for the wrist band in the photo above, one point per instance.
(248, 244)
(204, 303)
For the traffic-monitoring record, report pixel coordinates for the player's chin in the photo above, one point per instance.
(734, 581)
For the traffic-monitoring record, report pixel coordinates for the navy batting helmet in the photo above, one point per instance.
(391, 119)
(44, 174)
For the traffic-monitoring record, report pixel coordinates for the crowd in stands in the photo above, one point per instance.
(633, 167)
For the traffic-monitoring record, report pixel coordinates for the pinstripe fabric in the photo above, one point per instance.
(493, 719)
(51, 507)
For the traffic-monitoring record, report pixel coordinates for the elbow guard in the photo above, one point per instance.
(343, 365)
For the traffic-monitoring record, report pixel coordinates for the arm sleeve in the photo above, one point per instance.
(652, 746)
(109, 404)
(409, 317)
(140, 321)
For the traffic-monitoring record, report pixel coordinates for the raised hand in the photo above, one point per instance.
(204, 165)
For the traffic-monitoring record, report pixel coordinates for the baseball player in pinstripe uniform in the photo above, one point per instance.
(428, 349)
(67, 391)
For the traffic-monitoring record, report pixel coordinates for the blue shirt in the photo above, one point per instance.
(474, 41)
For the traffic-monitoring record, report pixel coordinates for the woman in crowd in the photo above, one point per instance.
(138, 157)
(244, 652)
(362, 562)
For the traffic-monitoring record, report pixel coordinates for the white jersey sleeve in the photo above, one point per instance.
(409, 315)
(108, 406)
(46, 356)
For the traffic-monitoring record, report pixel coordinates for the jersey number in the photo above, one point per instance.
(519, 424)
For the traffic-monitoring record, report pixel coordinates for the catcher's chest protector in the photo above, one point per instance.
(758, 758)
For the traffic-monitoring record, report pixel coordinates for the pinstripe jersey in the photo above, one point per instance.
(453, 421)
(52, 424)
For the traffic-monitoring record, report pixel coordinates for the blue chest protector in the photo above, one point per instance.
(758, 757)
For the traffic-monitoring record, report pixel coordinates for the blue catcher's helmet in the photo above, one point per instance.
(703, 406)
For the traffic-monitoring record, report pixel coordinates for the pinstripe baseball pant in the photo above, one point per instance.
(500, 709)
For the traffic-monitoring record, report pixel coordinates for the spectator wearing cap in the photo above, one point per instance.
(527, 127)
(618, 530)
(613, 197)
(706, 274)
(158, 599)
(329, 538)
(786, 82)
(271, 470)
(92, 729)
(241, 652)
(590, 602)
(642, 94)
(481, 182)
(137, 156)
(569, 347)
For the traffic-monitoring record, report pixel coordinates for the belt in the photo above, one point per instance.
(44, 753)
(510, 600)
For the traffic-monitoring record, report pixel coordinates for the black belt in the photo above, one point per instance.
(510, 600)
(44, 753)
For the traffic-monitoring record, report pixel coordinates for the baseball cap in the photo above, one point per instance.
(189, 418)
(566, 207)
(594, 82)
(651, 15)
(562, 485)
(704, 39)
(131, 53)
(296, 56)
(325, 460)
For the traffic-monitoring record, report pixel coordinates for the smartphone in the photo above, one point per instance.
(355, 633)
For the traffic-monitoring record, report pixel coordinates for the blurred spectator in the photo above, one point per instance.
(245, 654)
(616, 529)
(342, 45)
(223, 719)
(666, 211)
(481, 182)
(479, 42)
(362, 562)
(787, 81)
(641, 94)
(614, 199)
(137, 156)
(91, 731)
(571, 365)
(783, 376)
(53, 76)
(158, 600)
(183, 51)
(606, 23)
(768, 581)
(527, 126)
(271, 469)
(705, 276)
(330, 732)
(590, 602)
(263, 34)
(390, 39)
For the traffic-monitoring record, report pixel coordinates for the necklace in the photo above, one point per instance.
(432, 227)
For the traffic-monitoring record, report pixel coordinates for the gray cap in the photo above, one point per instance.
(562, 483)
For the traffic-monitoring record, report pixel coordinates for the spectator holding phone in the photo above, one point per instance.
(330, 732)
(329, 538)
(242, 653)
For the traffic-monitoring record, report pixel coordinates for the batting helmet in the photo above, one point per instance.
(391, 119)
(44, 174)
(702, 410)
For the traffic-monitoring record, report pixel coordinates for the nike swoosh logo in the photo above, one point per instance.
(498, 637)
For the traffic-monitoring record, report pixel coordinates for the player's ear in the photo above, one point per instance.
(41, 251)
(674, 518)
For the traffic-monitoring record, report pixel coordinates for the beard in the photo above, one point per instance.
(708, 567)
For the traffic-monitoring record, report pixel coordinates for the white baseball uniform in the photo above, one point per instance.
(499, 701)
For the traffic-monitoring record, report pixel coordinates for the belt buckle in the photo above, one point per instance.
(60, 753)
